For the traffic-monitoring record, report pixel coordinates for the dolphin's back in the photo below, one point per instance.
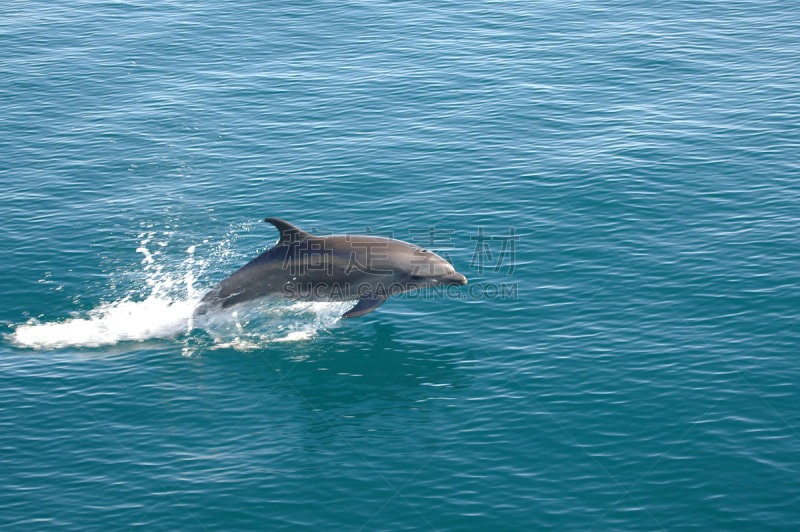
(262, 276)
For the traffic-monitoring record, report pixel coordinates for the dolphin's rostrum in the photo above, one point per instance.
(332, 268)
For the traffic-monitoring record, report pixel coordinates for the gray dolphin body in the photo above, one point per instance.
(332, 268)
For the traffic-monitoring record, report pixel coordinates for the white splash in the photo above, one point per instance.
(252, 325)
(167, 311)
(110, 323)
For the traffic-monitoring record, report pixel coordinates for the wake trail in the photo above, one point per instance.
(166, 311)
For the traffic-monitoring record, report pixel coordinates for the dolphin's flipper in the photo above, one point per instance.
(365, 306)
(289, 233)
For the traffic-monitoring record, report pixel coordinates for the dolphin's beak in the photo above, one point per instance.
(454, 278)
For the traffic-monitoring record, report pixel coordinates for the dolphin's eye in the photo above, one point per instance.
(416, 277)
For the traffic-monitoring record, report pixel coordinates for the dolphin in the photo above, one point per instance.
(301, 266)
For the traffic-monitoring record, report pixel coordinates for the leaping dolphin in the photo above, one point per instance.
(332, 268)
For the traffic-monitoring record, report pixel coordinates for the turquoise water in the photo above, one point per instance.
(643, 376)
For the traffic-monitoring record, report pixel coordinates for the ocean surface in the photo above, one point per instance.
(619, 181)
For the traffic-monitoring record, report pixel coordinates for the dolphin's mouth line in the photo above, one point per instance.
(453, 279)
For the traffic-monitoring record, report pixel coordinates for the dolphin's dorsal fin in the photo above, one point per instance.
(289, 233)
